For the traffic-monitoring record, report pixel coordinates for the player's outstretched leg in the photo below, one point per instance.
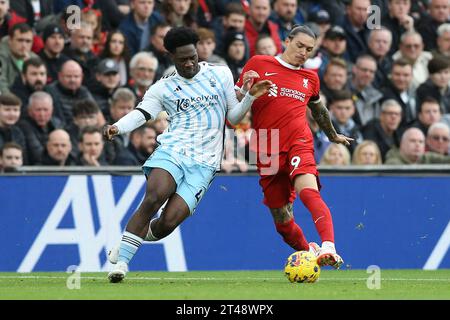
(290, 231)
(160, 187)
(174, 213)
(311, 198)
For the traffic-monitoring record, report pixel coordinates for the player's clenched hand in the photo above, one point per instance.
(340, 138)
(109, 132)
(248, 79)
(260, 88)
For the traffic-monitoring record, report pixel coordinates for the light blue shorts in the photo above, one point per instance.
(192, 178)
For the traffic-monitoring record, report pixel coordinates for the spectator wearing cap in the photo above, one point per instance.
(234, 44)
(68, 90)
(37, 124)
(51, 54)
(233, 19)
(80, 50)
(355, 27)
(439, 13)
(284, 15)
(138, 23)
(206, 46)
(33, 78)
(334, 45)
(13, 54)
(322, 19)
(258, 23)
(437, 86)
(398, 21)
(107, 81)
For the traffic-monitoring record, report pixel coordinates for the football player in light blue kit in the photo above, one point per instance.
(198, 98)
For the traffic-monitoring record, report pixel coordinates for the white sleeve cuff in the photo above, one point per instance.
(131, 121)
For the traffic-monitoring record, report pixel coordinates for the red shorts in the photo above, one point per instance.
(278, 173)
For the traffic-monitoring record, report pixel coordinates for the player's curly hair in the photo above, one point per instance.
(178, 37)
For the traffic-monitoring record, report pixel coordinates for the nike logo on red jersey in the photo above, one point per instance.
(268, 74)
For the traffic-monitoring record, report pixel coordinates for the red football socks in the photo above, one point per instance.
(293, 235)
(320, 213)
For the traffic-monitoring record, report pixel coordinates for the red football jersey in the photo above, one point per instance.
(284, 106)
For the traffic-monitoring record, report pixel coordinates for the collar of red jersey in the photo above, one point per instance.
(285, 64)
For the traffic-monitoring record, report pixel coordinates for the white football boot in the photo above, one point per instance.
(119, 272)
(314, 248)
(328, 256)
(113, 255)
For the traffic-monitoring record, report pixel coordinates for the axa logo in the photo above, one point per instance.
(79, 197)
(273, 91)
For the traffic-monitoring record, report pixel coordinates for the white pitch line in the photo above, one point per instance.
(220, 279)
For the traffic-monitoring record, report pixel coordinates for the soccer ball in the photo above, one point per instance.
(301, 266)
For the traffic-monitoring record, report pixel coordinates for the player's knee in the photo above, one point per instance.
(153, 201)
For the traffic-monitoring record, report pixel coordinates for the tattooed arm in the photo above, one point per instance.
(322, 117)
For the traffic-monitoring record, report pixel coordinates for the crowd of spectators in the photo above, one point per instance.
(62, 79)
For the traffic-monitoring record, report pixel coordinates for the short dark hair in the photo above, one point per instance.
(437, 64)
(402, 62)
(35, 62)
(10, 145)
(142, 129)
(234, 8)
(178, 37)
(22, 27)
(85, 106)
(88, 130)
(340, 95)
(296, 29)
(10, 99)
(338, 62)
(428, 99)
(158, 26)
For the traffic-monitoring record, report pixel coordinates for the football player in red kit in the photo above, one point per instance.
(284, 144)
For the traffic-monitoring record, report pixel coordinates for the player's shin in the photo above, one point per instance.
(292, 234)
(320, 213)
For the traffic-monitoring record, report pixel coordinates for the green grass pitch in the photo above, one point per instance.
(226, 285)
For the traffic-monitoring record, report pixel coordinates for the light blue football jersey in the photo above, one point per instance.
(197, 111)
